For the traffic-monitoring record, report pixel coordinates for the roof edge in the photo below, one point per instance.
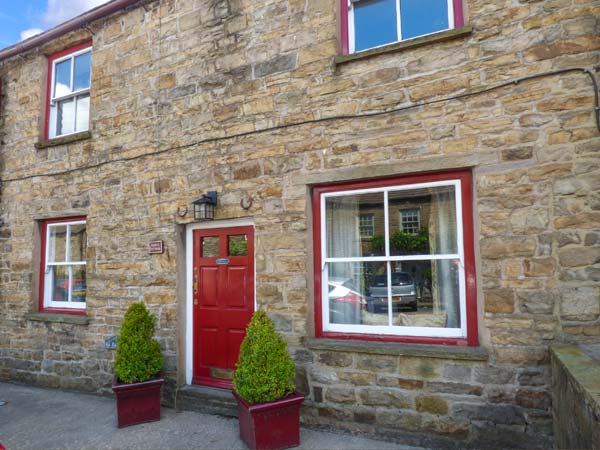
(65, 27)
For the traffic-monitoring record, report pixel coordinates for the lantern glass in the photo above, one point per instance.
(204, 207)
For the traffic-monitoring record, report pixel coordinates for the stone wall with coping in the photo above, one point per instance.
(170, 78)
(576, 392)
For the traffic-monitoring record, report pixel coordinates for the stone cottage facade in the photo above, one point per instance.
(309, 132)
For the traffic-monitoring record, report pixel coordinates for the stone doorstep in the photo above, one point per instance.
(206, 400)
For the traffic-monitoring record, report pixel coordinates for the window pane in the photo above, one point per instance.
(348, 287)
(343, 225)
(374, 23)
(57, 283)
(78, 242)
(410, 220)
(79, 284)
(210, 247)
(83, 113)
(426, 293)
(57, 242)
(81, 71)
(367, 225)
(237, 245)
(62, 78)
(66, 117)
(435, 210)
(421, 17)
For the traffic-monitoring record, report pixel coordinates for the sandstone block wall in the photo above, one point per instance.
(170, 79)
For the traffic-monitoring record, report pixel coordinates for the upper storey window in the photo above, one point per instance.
(69, 75)
(373, 23)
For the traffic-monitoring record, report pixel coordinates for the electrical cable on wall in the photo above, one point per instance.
(332, 118)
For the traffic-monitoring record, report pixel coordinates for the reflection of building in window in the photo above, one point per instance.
(401, 272)
(63, 280)
(367, 225)
(410, 220)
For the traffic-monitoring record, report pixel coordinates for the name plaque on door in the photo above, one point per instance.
(222, 261)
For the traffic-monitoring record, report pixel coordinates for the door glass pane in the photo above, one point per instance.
(343, 222)
(423, 221)
(237, 245)
(79, 284)
(425, 293)
(210, 247)
(81, 71)
(57, 279)
(374, 23)
(66, 117)
(349, 287)
(62, 78)
(83, 113)
(421, 17)
(78, 242)
(57, 242)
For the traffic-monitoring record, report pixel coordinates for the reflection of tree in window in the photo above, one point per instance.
(420, 247)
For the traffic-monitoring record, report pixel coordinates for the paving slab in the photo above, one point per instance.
(37, 418)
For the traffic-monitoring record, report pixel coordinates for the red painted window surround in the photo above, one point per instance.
(51, 60)
(459, 21)
(44, 232)
(469, 253)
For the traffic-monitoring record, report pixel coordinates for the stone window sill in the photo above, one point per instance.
(404, 45)
(58, 318)
(63, 140)
(399, 349)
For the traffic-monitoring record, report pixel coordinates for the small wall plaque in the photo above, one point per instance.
(111, 343)
(222, 261)
(155, 247)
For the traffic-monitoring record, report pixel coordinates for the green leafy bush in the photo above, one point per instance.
(403, 243)
(138, 354)
(265, 370)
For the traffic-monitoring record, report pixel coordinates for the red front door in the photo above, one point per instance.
(223, 296)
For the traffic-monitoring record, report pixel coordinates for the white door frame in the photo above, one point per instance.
(189, 262)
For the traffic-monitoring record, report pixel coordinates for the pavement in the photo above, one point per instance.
(37, 418)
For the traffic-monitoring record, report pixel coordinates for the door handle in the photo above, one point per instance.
(195, 287)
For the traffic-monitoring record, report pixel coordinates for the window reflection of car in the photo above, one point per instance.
(78, 290)
(403, 293)
(345, 302)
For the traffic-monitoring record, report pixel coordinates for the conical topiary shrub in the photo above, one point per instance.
(138, 356)
(265, 371)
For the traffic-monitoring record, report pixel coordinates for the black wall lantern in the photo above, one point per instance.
(204, 207)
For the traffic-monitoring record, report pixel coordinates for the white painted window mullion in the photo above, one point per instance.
(69, 287)
(351, 34)
(399, 21)
(67, 241)
(389, 293)
(450, 9)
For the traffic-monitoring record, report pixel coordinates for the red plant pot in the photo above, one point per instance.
(271, 425)
(137, 402)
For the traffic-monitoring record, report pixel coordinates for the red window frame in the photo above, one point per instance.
(465, 178)
(44, 233)
(51, 59)
(459, 21)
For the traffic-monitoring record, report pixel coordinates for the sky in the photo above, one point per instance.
(22, 19)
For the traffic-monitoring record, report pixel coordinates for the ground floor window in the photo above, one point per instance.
(63, 283)
(415, 276)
